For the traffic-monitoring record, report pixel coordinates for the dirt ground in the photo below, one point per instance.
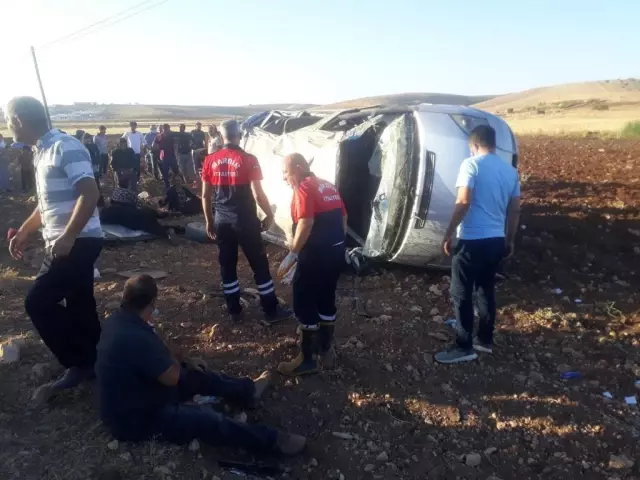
(388, 411)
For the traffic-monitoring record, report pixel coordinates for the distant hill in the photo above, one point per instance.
(570, 95)
(409, 99)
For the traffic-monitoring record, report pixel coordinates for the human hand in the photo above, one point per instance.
(509, 249)
(266, 223)
(211, 232)
(286, 264)
(62, 246)
(446, 246)
(17, 243)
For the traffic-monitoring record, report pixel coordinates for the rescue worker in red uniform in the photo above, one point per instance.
(318, 247)
(231, 186)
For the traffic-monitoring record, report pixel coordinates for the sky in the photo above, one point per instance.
(212, 52)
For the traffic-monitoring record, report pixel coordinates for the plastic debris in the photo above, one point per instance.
(632, 400)
(557, 291)
(607, 395)
(570, 375)
(451, 322)
(577, 300)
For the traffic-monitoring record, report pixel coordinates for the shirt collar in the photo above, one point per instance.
(134, 318)
(47, 137)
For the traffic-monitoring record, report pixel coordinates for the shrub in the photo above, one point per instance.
(600, 106)
(631, 129)
(509, 110)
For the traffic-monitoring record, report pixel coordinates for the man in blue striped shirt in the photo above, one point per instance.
(66, 211)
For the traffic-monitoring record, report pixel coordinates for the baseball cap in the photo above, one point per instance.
(230, 128)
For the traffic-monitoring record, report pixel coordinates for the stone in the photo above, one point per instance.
(620, 462)
(388, 367)
(382, 457)
(313, 462)
(126, 456)
(490, 451)
(113, 445)
(536, 376)
(39, 370)
(472, 459)
(162, 471)
(9, 352)
(416, 309)
(369, 467)
(342, 435)
(359, 345)
(434, 311)
(563, 368)
(194, 446)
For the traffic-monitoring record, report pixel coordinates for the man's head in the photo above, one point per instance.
(122, 143)
(87, 139)
(166, 127)
(482, 140)
(161, 129)
(213, 130)
(295, 168)
(139, 296)
(182, 127)
(102, 130)
(153, 128)
(231, 133)
(26, 119)
(79, 135)
(133, 125)
(198, 126)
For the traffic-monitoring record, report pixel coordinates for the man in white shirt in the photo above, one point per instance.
(135, 140)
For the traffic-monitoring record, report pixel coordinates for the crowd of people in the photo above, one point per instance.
(145, 383)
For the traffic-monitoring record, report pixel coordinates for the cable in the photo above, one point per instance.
(113, 19)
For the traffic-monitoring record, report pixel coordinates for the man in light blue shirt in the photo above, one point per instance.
(485, 219)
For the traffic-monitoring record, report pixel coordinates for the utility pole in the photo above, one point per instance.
(44, 98)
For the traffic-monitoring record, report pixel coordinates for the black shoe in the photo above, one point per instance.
(73, 377)
(281, 314)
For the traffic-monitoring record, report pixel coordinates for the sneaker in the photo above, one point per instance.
(290, 444)
(73, 377)
(281, 314)
(455, 355)
(479, 346)
(260, 385)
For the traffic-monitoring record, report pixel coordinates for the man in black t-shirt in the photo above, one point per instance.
(184, 154)
(198, 139)
(125, 163)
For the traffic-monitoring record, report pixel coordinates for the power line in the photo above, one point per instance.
(112, 20)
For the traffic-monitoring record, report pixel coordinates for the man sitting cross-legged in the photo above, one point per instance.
(142, 386)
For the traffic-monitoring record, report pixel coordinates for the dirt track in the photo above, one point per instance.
(408, 418)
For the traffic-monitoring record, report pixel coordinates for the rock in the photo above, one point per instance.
(162, 471)
(620, 462)
(313, 462)
(388, 367)
(536, 376)
(490, 451)
(435, 290)
(342, 435)
(434, 311)
(563, 368)
(194, 446)
(472, 459)
(341, 476)
(437, 318)
(382, 457)
(39, 370)
(9, 352)
(113, 445)
(126, 456)
(369, 467)
(416, 309)
(359, 345)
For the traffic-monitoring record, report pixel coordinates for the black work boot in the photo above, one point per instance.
(306, 361)
(326, 349)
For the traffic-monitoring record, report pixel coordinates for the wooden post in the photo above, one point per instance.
(44, 98)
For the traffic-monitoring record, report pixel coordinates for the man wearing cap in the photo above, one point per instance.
(319, 229)
(231, 184)
(134, 142)
(101, 141)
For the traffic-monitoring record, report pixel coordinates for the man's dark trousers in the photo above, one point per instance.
(473, 269)
(71, 332)
(314, 285)
(104, 163)
(245, 235)
(166, 166)
(181, 423)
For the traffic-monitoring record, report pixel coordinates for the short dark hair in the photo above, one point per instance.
(87, 135)
(139, 292)
(483, 135)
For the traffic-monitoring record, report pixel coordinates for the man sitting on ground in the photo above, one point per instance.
(179, 199)
(143, 384)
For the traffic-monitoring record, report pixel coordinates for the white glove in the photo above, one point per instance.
(288, 278)
(286, 265)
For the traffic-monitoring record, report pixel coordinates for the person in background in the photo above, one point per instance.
(5, 177)
(231, 186)
(144, 384)
(488, 198)
(215, 141)
(79, 135)
(198, 138)
(318, 253)
(184, 153)
(134, 142)
(123, 163)
(166, 144)
(94, 152)
(152, 158)
(27, 173)
(67, 198)
(101, 141)
(179, 199)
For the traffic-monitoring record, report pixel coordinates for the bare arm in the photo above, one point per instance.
(303, 230)
(171, 376)
(85, 206)
(32, 223)
(207, 197)
(261, 198)
(463, 203)
(513, 218)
